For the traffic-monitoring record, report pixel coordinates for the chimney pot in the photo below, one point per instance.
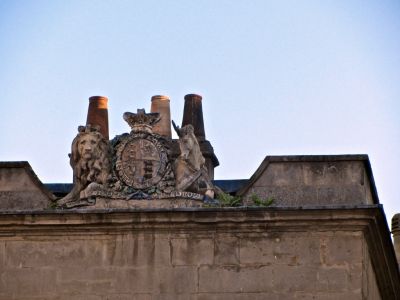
(160, 104)
(193, 114)
(98, 114)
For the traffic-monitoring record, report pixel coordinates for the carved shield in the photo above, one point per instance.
(141, 161)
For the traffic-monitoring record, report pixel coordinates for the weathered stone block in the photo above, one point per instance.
(238, 296)
(174, 296)
(294, 278)
(137, 250)
(226, 251)
(89, 280)
(135, 280)
(287, 196)
(101, 287)
(235, 279)
(80, 297)
(135, 296)
(355, 194)
(308, 248)
(339, 249)
(273, 249)
(32, 297)
(282, 174)
(332, 279)
(322, 296)
(23, 282)
(333, 173)
(38, 253)
(355, 276)
(345, 194)
(192, 251)
(370, 286)
(176, 280)
(2, 255)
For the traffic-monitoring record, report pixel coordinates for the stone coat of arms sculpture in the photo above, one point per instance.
(137, 166)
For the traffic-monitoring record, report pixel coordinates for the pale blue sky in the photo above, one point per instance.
(277, 77)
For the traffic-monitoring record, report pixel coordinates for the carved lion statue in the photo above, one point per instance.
(89, 159)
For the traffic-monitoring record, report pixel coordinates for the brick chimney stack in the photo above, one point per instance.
(160, 104)
(98, 114)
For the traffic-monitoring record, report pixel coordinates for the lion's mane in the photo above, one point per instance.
(97, 168)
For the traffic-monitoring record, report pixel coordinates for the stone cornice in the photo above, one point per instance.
(287, 218)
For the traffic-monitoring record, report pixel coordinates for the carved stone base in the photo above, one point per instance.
(155, 203)
(99, 202)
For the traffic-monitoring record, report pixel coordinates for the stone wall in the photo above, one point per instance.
(370, 286)
(188, 254)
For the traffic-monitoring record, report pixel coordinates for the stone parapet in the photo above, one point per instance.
(312, 180)
(21, 189)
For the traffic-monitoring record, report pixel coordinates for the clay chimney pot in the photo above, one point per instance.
(98, 114)
(193, 114)
(160, 104)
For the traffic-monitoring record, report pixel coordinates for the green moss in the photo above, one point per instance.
(258, 201)
(227, 200)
